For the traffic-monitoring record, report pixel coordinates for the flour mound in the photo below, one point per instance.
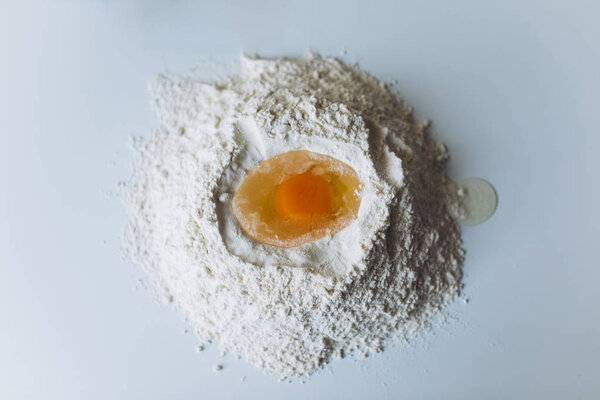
(288, 311)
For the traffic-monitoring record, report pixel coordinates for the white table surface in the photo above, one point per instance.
(513, 88)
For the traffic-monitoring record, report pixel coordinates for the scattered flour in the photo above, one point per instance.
(288, 311)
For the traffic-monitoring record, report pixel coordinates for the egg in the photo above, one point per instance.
(296, 198)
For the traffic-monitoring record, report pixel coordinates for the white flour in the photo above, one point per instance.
(289, 311)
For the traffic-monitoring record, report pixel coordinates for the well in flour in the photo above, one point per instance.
(289, 310)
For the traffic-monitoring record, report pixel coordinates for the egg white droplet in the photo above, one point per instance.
(477, 199)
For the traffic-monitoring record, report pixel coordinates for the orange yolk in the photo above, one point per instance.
(303, 197)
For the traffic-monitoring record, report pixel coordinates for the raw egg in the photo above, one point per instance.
(297, 197)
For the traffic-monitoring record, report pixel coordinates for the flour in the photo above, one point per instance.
(288, 311)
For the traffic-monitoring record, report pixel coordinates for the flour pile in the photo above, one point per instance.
(288, 311)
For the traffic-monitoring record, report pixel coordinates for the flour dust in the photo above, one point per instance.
(289, 311)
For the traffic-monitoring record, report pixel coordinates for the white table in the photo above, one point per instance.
(513, 88)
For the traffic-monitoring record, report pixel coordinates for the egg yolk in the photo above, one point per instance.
(303, 197)
(296, 198)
